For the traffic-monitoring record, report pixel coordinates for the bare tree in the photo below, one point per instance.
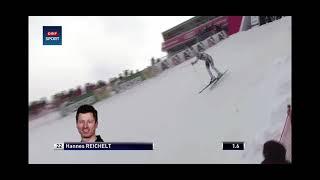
(153, 61)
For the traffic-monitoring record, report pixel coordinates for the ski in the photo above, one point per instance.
(213, 85)
(207, 86)
(214, 82)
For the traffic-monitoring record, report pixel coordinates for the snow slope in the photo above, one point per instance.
(249, 104)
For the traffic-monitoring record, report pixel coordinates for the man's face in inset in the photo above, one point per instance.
(86, 125)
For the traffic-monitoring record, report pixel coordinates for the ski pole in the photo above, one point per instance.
(194, 69)
(288, 115)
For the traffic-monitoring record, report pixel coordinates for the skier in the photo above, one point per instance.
(209, 62)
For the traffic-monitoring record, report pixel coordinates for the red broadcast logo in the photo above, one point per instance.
(52, 34)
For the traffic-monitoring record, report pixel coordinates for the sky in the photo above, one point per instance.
(93, 48)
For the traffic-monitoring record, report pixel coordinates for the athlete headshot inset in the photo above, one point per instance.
(87, 123)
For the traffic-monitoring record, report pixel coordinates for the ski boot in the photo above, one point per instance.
(213, 79)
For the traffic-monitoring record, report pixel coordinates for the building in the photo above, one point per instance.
(192, 31)
(198, 28)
